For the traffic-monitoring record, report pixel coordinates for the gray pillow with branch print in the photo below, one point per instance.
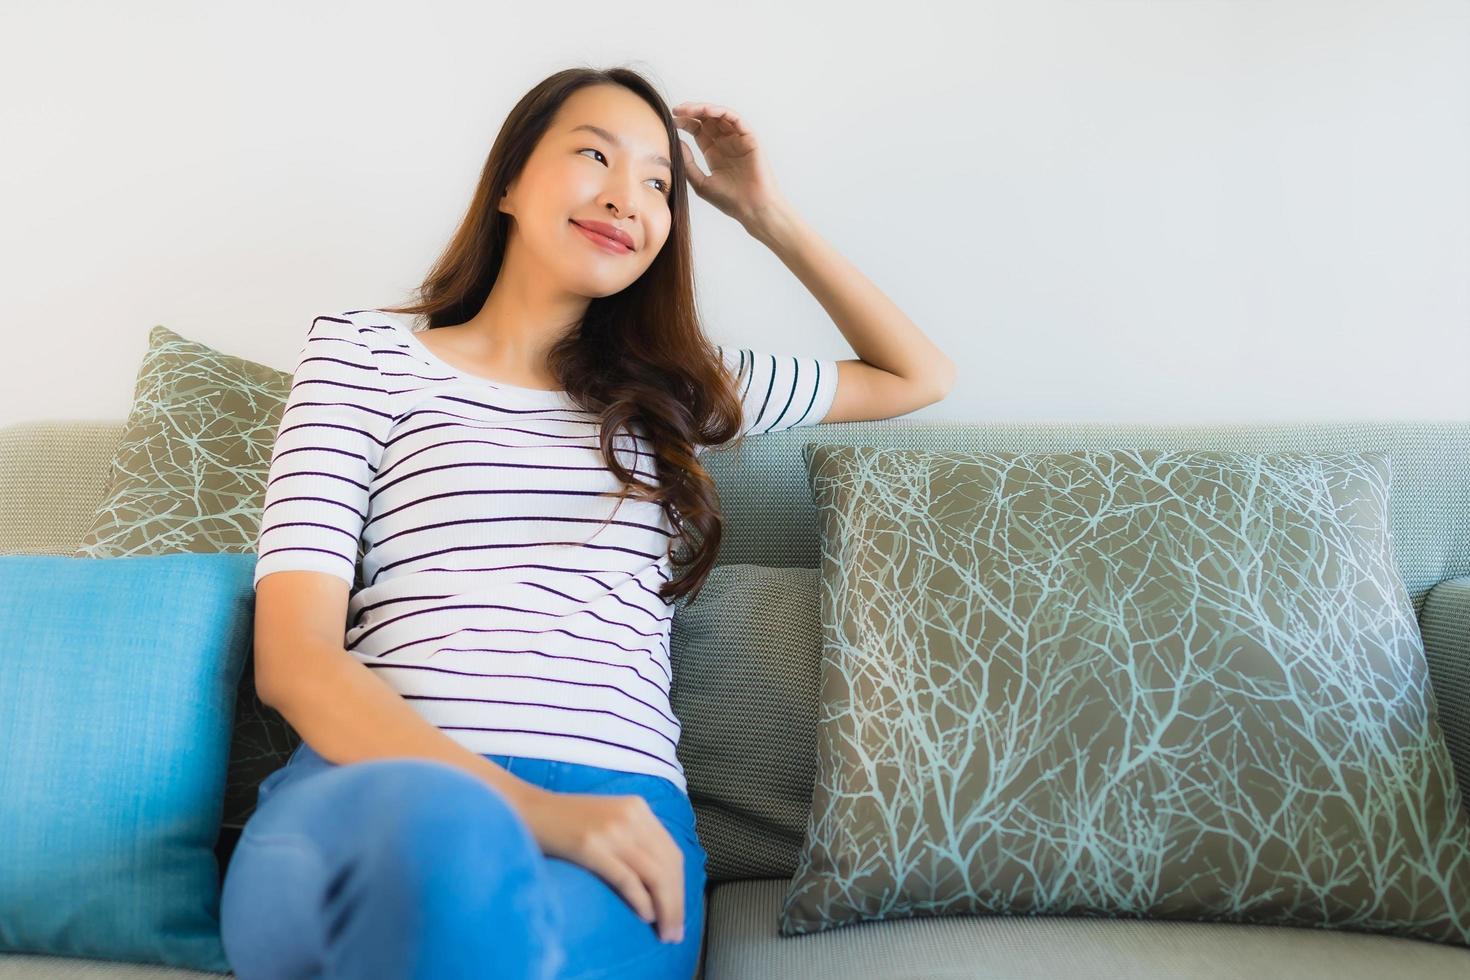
(1183, 684)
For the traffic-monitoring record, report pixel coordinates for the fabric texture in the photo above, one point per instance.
(188, 472)
(1124, 682)
(499, 583)
(116, 729)
(1445, 625)
(743, 944)
(746, 656)
(778, 391)
(40, 966)
(54, 473)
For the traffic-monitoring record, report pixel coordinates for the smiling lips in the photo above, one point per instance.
(605, 236)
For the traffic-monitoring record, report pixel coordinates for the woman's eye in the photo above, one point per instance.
(663, 190)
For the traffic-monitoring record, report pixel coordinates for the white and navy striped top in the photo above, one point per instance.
(464, 515)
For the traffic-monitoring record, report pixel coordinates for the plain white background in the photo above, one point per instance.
(1122, 210)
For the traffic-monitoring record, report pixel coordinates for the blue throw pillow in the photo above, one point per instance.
(117, 693)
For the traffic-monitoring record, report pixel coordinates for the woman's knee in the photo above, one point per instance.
(434, 824)
(410, 848)
(410, 795)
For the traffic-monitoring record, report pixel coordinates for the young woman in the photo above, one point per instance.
(487, 783)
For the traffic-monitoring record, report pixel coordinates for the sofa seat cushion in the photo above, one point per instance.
(28, 966)
(743, 944)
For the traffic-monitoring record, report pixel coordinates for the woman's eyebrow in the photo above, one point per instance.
(654, 157)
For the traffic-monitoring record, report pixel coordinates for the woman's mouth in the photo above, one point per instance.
(602, 241)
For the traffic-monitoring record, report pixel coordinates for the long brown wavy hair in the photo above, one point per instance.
(638, 354)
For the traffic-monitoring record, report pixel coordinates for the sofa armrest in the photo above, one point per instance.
(1445, 623)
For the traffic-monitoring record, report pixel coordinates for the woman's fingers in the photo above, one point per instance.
(708, 122)
(622, 840)
(709, 110)
(660, 866)
(629, 883)
(641, 861)
(692, 172)
(668, 895)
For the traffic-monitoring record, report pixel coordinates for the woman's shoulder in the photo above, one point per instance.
(366, 323)
(371, 330)
(349, 348)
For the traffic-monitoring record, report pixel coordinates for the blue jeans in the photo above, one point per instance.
(399, 868)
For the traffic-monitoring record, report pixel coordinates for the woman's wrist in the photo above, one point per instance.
(521, 793)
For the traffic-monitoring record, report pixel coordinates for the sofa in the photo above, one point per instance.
(53, 473)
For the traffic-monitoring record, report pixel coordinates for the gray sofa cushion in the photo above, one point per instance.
(743, 944)
(745, 656)
(1126, 682)
(25, 966)
(1445, 625)
(189, 469)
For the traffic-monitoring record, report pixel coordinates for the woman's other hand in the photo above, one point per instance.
(621, 839)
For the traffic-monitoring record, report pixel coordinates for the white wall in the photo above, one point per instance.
(1140, 210)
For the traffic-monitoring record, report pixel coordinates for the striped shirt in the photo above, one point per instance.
(464, 515)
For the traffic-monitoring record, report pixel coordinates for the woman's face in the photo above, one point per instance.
(604, 158)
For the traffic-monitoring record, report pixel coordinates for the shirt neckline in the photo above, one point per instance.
(545, 396)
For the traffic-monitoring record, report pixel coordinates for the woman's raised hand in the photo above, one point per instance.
(740, 182)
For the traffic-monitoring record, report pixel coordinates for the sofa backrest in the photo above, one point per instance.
(54, 473)
(770, 518)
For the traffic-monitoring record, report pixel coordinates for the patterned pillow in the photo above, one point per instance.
(189, 474)
(746, 655)
(1182, 684)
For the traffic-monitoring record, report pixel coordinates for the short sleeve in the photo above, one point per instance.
(327, 448)
(780, 391)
